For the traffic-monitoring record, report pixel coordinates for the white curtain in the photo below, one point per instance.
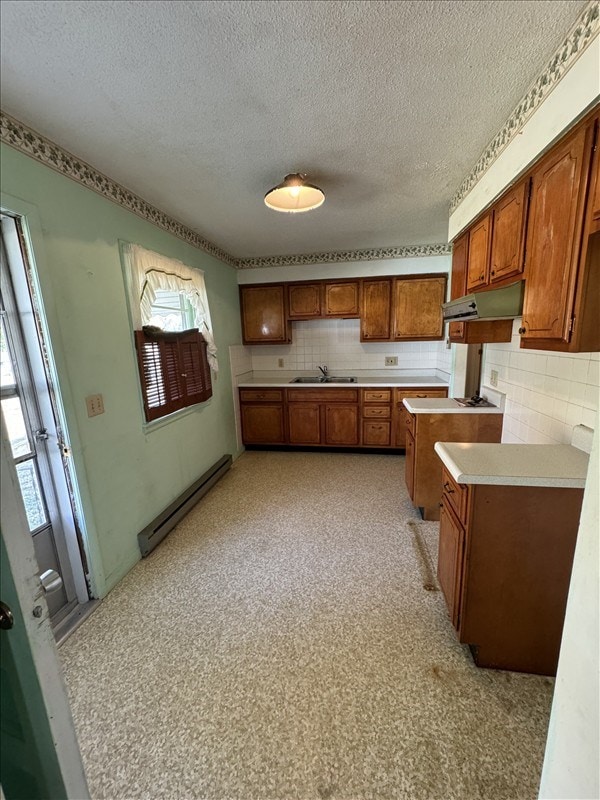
(149, 271)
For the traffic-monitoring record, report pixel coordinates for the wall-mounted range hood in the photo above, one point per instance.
(505, 303)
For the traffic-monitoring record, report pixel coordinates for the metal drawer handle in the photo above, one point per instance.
(448, 488)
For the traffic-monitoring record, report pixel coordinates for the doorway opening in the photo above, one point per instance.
(33, 419)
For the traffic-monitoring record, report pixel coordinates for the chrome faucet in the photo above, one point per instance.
(324, 370)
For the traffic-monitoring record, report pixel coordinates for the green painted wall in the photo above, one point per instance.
(126, 474)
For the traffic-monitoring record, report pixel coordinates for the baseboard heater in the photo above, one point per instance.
(155, 532)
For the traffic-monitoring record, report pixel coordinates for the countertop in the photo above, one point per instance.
(362, 381)
(445, 405)
(558, 465)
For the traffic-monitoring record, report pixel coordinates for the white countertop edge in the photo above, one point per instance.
(444, 405)
(548, 481)
(363, 383)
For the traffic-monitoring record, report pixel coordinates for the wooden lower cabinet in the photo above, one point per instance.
(341, 425)
(304, 423)
(409, 465)
(262, 423)
(399, 427)
(504, 566)
(450, 558)
(424, 481)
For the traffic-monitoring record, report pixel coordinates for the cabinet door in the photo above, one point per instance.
(341, 424)
(553, 238)
(262, 423)
(264, 314)
(450, 556)
(409, 464)
(418, 308)
(304, 423)
(376, 433)
(478, 261)
(304, 300)
(341, 299)
(376, 301)
(458, 286)
(508, 237)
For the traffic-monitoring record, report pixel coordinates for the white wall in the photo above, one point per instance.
(570, 769)
(347, 269)
(547, 393)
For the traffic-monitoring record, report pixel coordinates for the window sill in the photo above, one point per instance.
(149, 427)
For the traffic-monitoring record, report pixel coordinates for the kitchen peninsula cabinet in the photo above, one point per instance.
(416, 393)
(423, 474)
(505, 557)
(262, 418)
(264, 314)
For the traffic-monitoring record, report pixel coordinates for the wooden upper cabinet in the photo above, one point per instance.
(264, 314)
(508, 237)
(594, 215)
(375, 310)
(341, 299)
(458, 282)
(554, 237)
(478, 260)
(417, 305)
(304, 300)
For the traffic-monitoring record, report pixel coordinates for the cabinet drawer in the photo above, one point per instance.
(269, 395)
(402, 393)
(377, 434)
(455, 495)
(323, 395)
(408, 420)
(376, 395)
(381, 412)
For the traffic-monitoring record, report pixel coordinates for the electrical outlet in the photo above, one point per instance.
(95, 405)
(494, 377)
(391, 361)
(280, 362)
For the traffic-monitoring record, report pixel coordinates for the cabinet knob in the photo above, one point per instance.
(481, 277)
(448, 488)
(493, 272)
(522, 330)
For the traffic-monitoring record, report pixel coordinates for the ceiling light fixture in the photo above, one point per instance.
(294, 195)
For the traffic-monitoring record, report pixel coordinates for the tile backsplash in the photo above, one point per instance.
(336, 342)
(547, 393)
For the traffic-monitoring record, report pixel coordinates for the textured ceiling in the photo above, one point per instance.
(201, 107)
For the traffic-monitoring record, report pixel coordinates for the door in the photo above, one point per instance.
(341, 424)
(304, 300)
(375, 312)
(450, 555)
(264, 314)
(38, 748)
(31, 428)
(417, 308)
(479, 254)
(508, 240)
(304, 420)
(554, 237)
(262, 423)
(341, 299)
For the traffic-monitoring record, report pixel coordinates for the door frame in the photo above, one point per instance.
(49, 318)
(36, 631)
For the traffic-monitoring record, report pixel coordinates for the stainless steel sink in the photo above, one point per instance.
(320, 379)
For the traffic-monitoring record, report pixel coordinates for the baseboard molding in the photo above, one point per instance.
(155, 532)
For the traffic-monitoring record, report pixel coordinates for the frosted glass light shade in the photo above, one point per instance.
(294, 195)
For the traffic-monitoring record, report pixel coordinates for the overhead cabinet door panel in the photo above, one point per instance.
(508, 240)
(558, 193)
(418, 308)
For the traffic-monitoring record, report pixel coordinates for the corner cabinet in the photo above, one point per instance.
(264, 314)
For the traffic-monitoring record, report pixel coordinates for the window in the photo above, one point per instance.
(172, 331)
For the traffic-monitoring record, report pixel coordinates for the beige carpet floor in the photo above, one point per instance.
(288, 641)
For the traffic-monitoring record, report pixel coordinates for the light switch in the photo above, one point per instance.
(95, 405)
